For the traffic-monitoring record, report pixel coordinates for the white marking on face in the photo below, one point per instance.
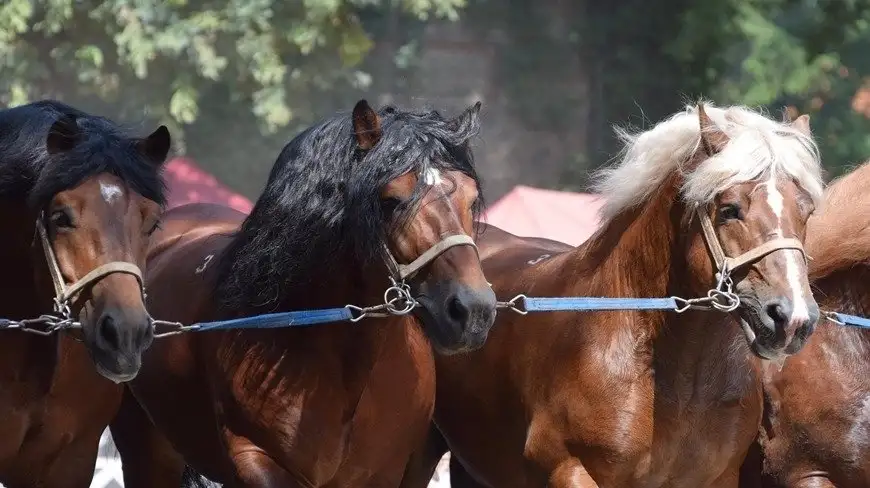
(800, 310)
(432, 177)
(110, 192)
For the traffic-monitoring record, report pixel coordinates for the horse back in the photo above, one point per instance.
(497, 244)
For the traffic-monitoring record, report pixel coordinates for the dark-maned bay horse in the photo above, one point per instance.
(78, 200)
(646, 398)
(335, 405)
(816, 429)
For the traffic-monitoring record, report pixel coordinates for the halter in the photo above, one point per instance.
(397, 298)
(726, 265)
(63, 293)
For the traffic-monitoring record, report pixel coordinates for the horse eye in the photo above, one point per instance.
(61, 219)
(389, 205)
(153, 228)
(730, 211)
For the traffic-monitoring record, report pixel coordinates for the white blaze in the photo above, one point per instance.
(800, 311)
(432, 177)
(110, 192)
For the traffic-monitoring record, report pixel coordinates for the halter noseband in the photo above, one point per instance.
(64, 293)
(400, 272)
(726, 265)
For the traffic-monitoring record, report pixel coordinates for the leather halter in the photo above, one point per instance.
(64, 293)
(726, 265)
(400, 272)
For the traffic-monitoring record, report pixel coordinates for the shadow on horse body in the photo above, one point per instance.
(647, 398)
(340, 404)
(816, 430)
(97, 194)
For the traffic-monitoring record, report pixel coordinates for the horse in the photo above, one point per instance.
(711, 202)
(79, 197)
(814, 432)
(341, 404)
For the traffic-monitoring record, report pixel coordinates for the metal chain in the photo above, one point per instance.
(397, 301)
(44, 325)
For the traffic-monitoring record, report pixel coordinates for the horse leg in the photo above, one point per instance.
(571, 474)
(255, 469)
(459, 476)
(148, 459)
(74, 465)
(423, 462)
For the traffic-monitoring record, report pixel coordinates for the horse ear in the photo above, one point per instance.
(469, 118)
(802, 124)
(155, 147)
(366, 125)
(63, 135)
(713, 140)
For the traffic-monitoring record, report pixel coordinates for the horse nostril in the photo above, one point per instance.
(457, 310)
(108, 332)
(779, 312)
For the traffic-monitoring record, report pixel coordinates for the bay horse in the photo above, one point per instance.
(78, 200)
(816, 429)
(341, 404)
(635, 398)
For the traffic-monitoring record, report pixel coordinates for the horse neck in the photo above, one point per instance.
(846, 291)
(27, 297)
(349, 283)
(632, 254)
(24, 296)
(643, 253)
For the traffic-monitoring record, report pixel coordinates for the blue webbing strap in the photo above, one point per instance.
(299, 318)
(853, 320)
(556, 304)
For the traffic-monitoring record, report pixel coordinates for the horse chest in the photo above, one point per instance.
(645, 435)
(45, 431)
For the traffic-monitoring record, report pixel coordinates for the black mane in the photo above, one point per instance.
(29, 173)
(321, 209)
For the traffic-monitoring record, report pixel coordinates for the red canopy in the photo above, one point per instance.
(559, 215)
(188, 183)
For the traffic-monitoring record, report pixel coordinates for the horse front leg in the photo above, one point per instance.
(255, 469)
(147, 457)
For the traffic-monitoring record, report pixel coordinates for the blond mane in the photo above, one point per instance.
(757, 145)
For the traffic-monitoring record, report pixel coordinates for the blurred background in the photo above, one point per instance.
(236, 79)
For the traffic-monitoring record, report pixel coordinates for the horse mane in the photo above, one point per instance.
(28, 172)
(838, 234)
(320, 212)
(757, 145)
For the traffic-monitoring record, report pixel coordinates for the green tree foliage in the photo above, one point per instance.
(158, 57)
(808, 55)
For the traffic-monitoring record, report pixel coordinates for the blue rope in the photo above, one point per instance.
(301, 318)
(594, 303)
(853, 320)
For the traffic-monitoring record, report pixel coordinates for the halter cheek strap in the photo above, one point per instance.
(725, 264)
(65, 293)
(402, 271)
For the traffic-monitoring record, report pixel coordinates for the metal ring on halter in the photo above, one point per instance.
(512, 305)
(402, 296)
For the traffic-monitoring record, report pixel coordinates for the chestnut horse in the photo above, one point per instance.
(647, 398)
(78, 200)
(816, 429)
(341, 404)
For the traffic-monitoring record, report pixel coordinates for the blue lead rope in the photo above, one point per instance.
(301, 318)
(579, 304)
(853, 320)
